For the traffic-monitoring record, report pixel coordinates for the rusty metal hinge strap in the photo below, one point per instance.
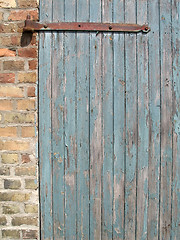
(85, 26)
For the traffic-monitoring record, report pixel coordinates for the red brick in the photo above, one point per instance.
(16, 40)
(17, 15)
(25, 158)
(4, 52)
(34, 41)
(13, 65)
(11, 27)
(5, 40)
(7, 77)
(31, 91)
(28, 52)
(33, 64)
(26, 4)
(11, 40)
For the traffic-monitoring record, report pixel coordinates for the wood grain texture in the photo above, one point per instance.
(143, 125)
(131, 124)
(119, 125)
(166, 120)
(58, 149)
(109, 123)
(154, 122)
(175, 228)
(95, 124)
(45, 108)
(70, 125)
(82, 124)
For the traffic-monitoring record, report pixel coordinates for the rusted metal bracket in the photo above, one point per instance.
(85, 26)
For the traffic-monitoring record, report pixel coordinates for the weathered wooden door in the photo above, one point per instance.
(109, 122)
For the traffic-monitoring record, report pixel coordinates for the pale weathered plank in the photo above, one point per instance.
(119, 125)
(175, 229)
(95, 124)
(83, 124)
(108, 123)
(45, 124)
(143, 124)
(70, 123)
(131, 123)
(58, 148)
(166, 119)
(154, 121)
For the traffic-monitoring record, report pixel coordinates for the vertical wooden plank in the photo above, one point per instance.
(131, 123)
(176, 120)
(166, 119)
(95, 123)
(82, 124)
(70, 124)
(58, 123)
(108, 125)
(154, 121)
(45, 124)
(143, 124)
(119, 125)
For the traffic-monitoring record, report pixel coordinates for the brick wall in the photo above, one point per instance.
(18, 122)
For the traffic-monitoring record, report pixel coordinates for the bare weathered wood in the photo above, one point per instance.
(131, 124)
(108, 125)
(58, 148)
(70, 104)
(95, 125)
(82, 124)
(45, 55)
(119, 125)
(175, 228)
(143, 125)
(154, 122)
(166, 120)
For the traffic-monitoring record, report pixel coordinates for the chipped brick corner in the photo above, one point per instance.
(18, 122)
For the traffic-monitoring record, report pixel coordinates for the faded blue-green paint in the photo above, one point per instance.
(119, 125)
(82, 124)
(143, 125)
(131, 123)
(175, 228)
(45, 153)
(70, 104)
(154, 121)
(95, 111)
(58, 149)
(166, 120)
(109, 123)
(45, 125)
